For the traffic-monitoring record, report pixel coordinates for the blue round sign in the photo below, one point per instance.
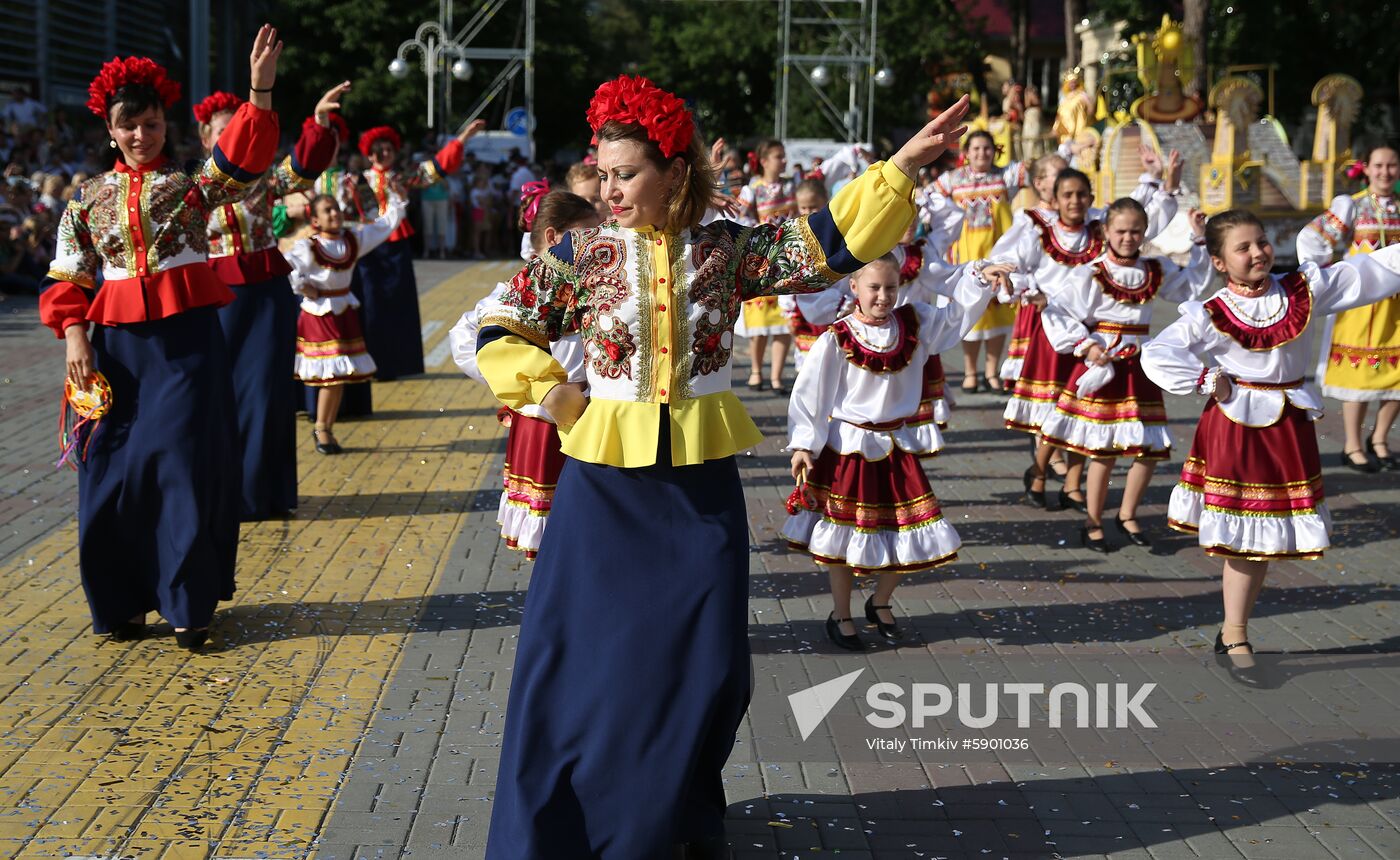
(517, 122)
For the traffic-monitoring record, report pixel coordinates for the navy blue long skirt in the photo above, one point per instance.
(388, 293)
(158, 492)
(260, 328)
(632, 673)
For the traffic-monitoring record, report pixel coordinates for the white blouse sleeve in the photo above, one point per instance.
(1325, 238)
(378, 231)
(302, 266)
(1175, 359)
(1183, 284)
(1361, 279)
(1067, 312)
(814, 395)
(462, 337)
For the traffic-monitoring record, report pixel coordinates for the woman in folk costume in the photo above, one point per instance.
(331, 351)
(533, 456)
(1045, 254)
(1361, 363)
(867, 508)
(388, 287)
(1109, 408)
(158, 488)
(983, 191)
(1251, 488)
(630, 684)
(260, 325)
(769, 198)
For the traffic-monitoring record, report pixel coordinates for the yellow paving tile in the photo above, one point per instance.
(143, 750)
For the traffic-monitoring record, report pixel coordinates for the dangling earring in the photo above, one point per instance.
(112, 143)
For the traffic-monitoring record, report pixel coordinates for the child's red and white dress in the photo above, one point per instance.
(810, 314)
(533, 458)
(330, 343)
(1251, 487)
(925, 277)
(851, 405)
(1114, 410)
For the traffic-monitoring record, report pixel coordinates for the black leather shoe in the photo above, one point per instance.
(1370, 466)
(1069, 503)
(1034, 498)
(841, 640)
(331, 447)
(1137, 538)
(1250, 676)
(192, 639)
(129, 631)
(890, 632)
(1094, 544)
(1388, 462)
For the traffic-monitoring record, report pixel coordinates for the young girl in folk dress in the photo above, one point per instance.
(1361, 358)
(855, 451)
(331, 349)
(533, 459)
(810, 315)
(1251, 487)
(1102, 314)
(767, 199)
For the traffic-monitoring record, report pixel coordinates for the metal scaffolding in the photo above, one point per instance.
(845, 31)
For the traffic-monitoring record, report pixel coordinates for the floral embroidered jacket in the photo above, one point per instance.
(143, 232)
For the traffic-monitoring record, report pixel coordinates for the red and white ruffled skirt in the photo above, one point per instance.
(1125, 418)
(331, 350)
(533, 464)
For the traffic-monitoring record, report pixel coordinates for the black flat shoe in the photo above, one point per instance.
(756, 386)
(129, 631)
(1069, 503)
(192, 640)
(1250, 676)
(1369, 467)
(890, 632)
(1137, 538)
(1388, 462)
(841, 640)
(331, 447)
(780, 389)
(1093, 544)
(1034, 498)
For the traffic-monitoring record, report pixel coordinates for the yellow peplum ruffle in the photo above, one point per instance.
(624, 433)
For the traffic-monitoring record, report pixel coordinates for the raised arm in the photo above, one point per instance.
(248, 143)
(1326, 237)
(1358, 280)
(314, 151)
(376, 232)
(447, 161)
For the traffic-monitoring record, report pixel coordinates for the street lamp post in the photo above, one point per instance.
(432, 42)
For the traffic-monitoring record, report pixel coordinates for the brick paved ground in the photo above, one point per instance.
(353, 704)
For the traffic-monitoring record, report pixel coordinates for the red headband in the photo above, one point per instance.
(374, 135)
(637, 100)
(118, 73)
(215, 103)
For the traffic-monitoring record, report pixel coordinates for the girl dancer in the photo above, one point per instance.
(1362, 361)
(983, 192)
(856, 447)
(629, 686)
(533, 458)
(767, 199)
(260, 326)
(1252, 484)
(158, 491)
(1108, 408)
(331, 351)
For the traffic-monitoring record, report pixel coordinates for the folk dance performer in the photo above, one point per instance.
(769, 198)
(632, 676)
(1251, 488)
(1360, 362)
(260, 325)
(158, 489)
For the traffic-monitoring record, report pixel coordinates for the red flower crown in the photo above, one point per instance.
(374, 135)
(637, 100)
(338, 125)
(215, 103)
(118, 73)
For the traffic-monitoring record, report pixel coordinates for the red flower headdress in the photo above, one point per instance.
(374, 135)
(338, 125)
(637, 100)
(118, 73)
(215, 103)
(531, 193)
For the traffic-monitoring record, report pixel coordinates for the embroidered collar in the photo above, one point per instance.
(1050, 241)
(154, 164)
(892, 360)
(1124, 294)
(1296, 292)
(325, 260)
